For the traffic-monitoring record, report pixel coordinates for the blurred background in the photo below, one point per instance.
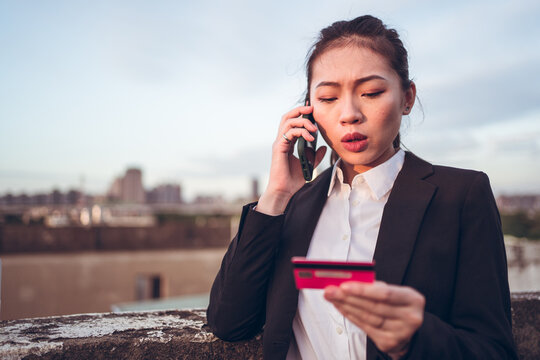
(131, 133)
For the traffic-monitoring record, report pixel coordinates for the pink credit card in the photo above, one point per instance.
(318, 274)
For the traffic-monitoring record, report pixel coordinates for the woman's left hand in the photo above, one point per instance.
(388, 314)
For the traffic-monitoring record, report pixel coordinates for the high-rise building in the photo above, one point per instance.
(115, 191)
(132, 187)
(254, 188)
(164, 194)
(128, 188)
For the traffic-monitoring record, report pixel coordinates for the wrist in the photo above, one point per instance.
(399, 354)
(273, 203)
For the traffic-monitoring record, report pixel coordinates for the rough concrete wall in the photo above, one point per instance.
(526, 324)
(146, 335)
(178, 335)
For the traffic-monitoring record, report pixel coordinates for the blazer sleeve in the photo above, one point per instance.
(480, 319)
(238, 297)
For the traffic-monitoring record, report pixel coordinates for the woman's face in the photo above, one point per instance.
(358, 101)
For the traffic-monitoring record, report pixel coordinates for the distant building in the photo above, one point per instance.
(40, 199)
(132, 187)
(57, 197)
(73, 197)
(128, 188)
(115, 191)
(254, 188)
(165, 194)
(208, 199)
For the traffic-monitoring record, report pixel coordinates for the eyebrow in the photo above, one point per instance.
(356, 82)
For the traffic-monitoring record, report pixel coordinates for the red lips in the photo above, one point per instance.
(353, 137)
(354, 142)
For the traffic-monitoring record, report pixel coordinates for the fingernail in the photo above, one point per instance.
(330, 292)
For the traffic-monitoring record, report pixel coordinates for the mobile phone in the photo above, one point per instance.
(318, 274)
(304, 146)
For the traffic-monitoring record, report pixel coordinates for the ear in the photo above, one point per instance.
(410, 97)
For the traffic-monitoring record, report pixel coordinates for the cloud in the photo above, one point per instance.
(442, 147)
(248, 162)
(490, 97)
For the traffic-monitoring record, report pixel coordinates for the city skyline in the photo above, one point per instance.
(136, 190)
(192, 93)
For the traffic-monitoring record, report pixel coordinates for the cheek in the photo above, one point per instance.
(388, 117)
(324, 123)
(323, 131)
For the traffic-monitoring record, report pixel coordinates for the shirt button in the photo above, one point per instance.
(359, 179)
(339, 330)
(345, 237)
(355, 202)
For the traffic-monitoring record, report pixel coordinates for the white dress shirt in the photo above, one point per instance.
(347, 231)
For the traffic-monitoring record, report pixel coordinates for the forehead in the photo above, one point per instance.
(350, 61)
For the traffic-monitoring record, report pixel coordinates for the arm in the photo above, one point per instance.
(479, 323)
(238, 296)
(480, 320)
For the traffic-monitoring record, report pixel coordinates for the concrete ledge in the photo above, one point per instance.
(143, 335)
(526, 324)
(178, 335)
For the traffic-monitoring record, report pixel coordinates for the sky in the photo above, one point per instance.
(192, 91)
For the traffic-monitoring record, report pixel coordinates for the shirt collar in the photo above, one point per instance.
(380, 179)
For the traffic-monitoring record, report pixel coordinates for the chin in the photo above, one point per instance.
(363, 159)
(357, 159)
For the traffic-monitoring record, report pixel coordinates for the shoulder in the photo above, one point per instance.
(452, 185)
(440, 174)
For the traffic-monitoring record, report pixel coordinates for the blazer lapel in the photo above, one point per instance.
(401, 220)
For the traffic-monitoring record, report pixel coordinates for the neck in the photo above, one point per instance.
(351, 170)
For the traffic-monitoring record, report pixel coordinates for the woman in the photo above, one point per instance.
(434, 232)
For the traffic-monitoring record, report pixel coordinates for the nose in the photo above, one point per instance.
(350, 112)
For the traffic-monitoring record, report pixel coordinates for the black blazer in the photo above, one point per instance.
(440, 234)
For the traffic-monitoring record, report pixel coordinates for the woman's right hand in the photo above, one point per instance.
(285, 171)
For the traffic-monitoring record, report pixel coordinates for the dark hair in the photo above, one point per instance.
(364, 31)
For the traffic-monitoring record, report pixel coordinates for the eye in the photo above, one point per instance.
(373, 94)
(327, 99)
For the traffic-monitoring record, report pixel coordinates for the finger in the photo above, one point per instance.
(296, 112)
(387, 338)
(388, 335)
(361, 315)
(285, 138)
(295, 133)
(376, 326)
(375, 307)
(289, 137)
(333, 293)
(298, 122)
(383, 292)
